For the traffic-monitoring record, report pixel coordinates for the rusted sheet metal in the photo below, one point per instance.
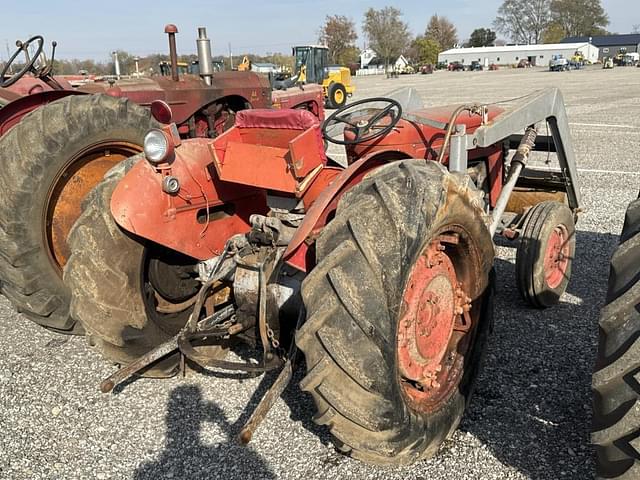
(30, 85)
(310, 97)
(7, 96)
(198, 220)
(65, 200)
(522, 199)
(190, 94)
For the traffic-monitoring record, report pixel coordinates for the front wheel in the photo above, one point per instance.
(545, 253)
(398, 311)
(336, 96)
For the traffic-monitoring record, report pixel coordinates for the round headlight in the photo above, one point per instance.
(156, 146)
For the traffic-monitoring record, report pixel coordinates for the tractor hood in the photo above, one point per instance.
(190, 93)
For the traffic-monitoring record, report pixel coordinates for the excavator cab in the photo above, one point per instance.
(312, 61)
(312, 66)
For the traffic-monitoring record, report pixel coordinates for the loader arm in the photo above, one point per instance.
(546, 105)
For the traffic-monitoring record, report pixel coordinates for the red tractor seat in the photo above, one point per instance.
(291, 119)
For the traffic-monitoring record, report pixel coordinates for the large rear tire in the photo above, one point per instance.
(50, 161)
(616, 391)
(399, 235)
(107, 277)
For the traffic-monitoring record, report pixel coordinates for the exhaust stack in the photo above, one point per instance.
(204, 55)
(171, 30)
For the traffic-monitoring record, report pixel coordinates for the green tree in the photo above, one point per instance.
(339, 34)
(554, 33)
(481, 37)
(425, 50)
(127, 64)
(580, 17)
(442, 31)
(349, 56)
(523, 21)
(388, 35)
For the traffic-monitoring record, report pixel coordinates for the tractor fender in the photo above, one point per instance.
(13, 112)
(297, 253)
(200, 217)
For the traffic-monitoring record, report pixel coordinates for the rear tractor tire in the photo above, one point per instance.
(398, 311)
(616, 391)
(112, 296)
(545, 253)
(336, 95)
(50, 161)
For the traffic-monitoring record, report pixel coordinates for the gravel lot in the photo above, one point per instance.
(529, 417)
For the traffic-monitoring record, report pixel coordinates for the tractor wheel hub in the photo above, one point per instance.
(429, 328)
(556, 257)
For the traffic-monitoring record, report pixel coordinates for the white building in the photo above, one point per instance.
(369, 60)
(512, 54)
(366, 56)
(401, 63)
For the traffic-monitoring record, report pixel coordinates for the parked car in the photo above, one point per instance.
(476, 66)
(426, 69)
(455, 67)
(524, 63)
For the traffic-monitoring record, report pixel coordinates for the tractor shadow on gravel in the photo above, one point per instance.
(532, 403)
(187, 456)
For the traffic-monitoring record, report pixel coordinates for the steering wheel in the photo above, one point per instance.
(22, 47)
(365, 122)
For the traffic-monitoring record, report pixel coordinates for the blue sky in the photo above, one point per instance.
(91, 29)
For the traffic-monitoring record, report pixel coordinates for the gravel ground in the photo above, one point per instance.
(529, 417)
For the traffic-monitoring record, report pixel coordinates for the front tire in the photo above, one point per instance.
(544, 257)
(616, 392)
(336, 96)
(358, 330)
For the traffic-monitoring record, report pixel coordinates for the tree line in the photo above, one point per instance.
(520, 21)
(385, 31)
(149, 64)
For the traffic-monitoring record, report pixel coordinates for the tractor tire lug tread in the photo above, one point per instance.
(108, 303)
(32, 153)
(616, 390)
(352, 300)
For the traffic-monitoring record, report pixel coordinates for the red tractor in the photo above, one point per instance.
(380, 271)
(56, 144)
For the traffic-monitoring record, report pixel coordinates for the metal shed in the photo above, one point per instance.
(512, 54)
(611, 45)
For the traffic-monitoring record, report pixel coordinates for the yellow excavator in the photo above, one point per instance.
(312, 66)
(245, 65)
